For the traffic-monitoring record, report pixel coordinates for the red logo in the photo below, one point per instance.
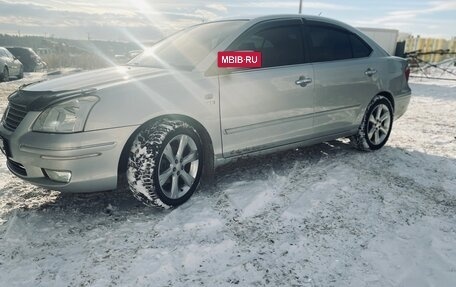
(239, 59)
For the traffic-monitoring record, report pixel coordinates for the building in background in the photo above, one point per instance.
(386, 38)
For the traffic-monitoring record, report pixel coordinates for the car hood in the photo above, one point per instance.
(37, 96)
(93, 79)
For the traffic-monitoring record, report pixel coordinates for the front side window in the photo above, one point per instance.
(279, 46)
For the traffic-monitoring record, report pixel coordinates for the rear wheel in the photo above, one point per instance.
(5, 74)
(165, 163)
(376, 126)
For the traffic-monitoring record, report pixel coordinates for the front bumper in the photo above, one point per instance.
(92, 157)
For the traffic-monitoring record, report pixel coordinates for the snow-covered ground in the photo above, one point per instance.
(325, 215)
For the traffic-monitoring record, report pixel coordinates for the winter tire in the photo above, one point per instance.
(376, 126)
(165, 163)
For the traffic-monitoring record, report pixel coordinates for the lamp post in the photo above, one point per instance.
(300, 6)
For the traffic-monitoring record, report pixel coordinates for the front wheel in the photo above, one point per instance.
(376, 126)
(165, 163)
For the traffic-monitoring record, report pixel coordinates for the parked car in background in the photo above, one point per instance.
(171, 115)
(10, 66)
(31, 61)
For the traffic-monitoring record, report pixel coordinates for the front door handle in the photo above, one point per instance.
(369, 72)
(303, 81)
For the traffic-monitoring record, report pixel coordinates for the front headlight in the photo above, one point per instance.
(65, 117)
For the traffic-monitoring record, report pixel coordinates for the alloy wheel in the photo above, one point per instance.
(178, 166)
(379, 124)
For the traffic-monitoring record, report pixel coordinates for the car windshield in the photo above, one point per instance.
(185, 49)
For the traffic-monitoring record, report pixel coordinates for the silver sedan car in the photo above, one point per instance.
(163, 122)
(9, 66)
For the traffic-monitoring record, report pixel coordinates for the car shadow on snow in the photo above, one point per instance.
(121, 205)
(260, 167)
(23, 197)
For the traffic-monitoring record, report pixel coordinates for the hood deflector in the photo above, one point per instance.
(40, 100)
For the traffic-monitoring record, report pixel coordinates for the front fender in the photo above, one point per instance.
(137, 101)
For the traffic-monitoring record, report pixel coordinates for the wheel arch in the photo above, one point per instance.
(389, 96)
(208, 167)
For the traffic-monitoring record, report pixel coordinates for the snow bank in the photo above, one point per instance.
(325, 215)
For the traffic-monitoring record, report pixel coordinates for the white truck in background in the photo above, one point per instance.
(386, 38)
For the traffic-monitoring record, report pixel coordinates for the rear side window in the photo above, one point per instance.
(329, 43)
(280, 46)
(359, 47)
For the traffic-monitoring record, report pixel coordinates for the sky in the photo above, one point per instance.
(142, 20)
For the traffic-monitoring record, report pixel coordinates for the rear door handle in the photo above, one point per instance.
(369, 72)
(303, 81)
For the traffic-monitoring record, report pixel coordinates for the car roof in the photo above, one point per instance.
(280, 16)
(257, 19)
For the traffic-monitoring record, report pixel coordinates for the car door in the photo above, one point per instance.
(345, 78)
(273, 105)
